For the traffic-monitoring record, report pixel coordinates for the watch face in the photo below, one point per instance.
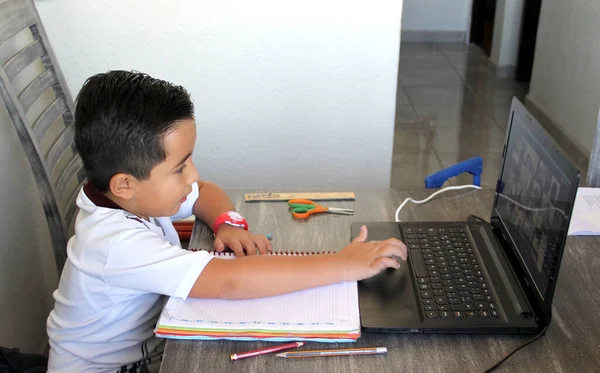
(235, 216)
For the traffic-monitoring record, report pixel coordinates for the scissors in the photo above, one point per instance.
(303, 208)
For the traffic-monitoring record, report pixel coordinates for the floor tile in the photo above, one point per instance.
(439, 95)
(457, 115)
(410, 170)
(411, 141)
(406, 117)
(401, 97)
(471, 141)
(437, 77)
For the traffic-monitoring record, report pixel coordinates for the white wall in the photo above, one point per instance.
(287, 95)
(436, 15)
(507, 32)
(566, 71)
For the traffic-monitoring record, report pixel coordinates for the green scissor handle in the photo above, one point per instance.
(301, 206)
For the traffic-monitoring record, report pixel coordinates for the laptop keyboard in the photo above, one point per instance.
(449, 278)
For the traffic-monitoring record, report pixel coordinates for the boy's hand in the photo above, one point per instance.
(362, 259)
(240, 241)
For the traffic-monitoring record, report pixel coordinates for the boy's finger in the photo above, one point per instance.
(395, 241)
(218, 245)
(393, 250)
(261, 245)
(249, 246)
(385, 262)
(362, 236)
(237, 248)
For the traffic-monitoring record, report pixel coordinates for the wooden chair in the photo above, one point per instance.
(40, 107)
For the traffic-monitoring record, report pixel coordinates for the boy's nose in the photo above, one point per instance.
(194, 175)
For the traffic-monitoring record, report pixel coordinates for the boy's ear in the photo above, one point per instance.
(122, 185)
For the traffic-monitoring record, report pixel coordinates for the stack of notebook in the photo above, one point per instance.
(327, 314)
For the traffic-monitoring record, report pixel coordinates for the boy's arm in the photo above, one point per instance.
(212, 202)
(266, 275)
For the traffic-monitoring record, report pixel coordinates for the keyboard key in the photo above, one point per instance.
(434, 279)
(422, 280)
(454, 301)
(457, 307)
(488, 298)
(438, 293)
(437, 286)
(409, 230)
(450, 289)
(464, 293)
(470, 314)
(429, 307)
(484, 314)
(427, 301)
(412, 241)
(443, 307)
(446, 276)
(426, 294)
(452, 295)
(431, 267)
(481, 306)
(444, 314)
(431, 314)
(441, 300)
(414, 246)
(478, 297)
(491, 306)
(421, 230)
(424, 286)
(457, 314)
(448, 282)
(494, 313)
(466, 299)
(469, 306)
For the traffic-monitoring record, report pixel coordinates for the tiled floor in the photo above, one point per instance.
(449, 107)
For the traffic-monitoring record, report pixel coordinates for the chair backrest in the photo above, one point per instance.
(40, 107)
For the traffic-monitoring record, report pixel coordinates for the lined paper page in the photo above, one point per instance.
(327, 308)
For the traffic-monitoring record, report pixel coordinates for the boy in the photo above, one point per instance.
(135, 135)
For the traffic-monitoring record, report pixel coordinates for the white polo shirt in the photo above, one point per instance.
(109, 296)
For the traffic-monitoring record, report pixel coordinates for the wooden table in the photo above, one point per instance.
(572, 343)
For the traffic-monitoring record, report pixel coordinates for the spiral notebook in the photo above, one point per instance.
(327, 314)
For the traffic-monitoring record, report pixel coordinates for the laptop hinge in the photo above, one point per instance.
(520, 302)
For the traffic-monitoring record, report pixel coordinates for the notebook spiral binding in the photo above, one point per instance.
(286, 253)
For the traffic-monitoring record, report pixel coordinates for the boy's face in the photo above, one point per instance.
(171, 181)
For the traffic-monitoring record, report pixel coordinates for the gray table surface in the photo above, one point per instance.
(571, 344)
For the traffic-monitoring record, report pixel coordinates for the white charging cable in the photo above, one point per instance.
(431, 197)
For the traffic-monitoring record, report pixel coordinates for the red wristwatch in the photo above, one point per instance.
(232, 218)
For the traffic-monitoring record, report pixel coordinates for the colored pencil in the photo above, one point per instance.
(266, 350)
(341, 352)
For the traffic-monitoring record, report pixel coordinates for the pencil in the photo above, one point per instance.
(341, 352)
(266, 350)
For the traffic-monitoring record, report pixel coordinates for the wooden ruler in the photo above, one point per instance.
(315, 196)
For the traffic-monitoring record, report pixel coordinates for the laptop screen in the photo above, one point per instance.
(536, 196)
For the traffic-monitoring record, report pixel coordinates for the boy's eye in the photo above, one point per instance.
(180, 169)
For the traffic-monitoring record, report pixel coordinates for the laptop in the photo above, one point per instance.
(476, 276)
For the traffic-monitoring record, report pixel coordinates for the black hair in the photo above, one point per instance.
(121, 119)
